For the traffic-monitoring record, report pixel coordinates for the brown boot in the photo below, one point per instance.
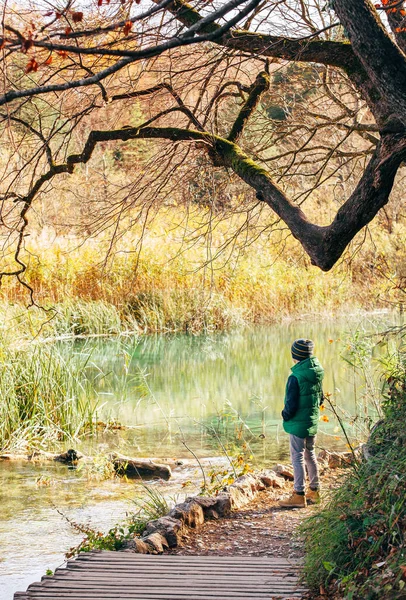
(294, 501)
(313, 496)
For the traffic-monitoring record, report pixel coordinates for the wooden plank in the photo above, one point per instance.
(147, 594)
(187, 586)
(126, 576)
(178, 569)
(96, 596)
(122, 556)
(174, 577)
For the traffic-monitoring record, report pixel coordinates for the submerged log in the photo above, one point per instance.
(139, 468)
(123, 465)
(70, 457)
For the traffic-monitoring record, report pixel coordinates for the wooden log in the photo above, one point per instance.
(136, 468)
(69, 457)
(139, 468)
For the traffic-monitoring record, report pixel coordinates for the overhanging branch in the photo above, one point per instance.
(325, 244)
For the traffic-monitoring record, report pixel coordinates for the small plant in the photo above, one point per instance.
(220, 478)
(99, 468)
(151, 505)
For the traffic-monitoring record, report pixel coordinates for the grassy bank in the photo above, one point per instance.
(46, 396)
(356, 544)
(180, 281)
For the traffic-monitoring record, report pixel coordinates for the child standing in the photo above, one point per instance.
(300, 415)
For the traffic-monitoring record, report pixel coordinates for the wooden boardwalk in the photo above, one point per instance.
(128, 576)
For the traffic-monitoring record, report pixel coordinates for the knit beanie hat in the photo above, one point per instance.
(302, 349)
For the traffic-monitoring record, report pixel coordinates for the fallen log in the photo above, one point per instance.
(139, 468)
(123, 465)
(70, 457)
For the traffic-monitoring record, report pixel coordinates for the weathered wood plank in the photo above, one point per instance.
(126, 576)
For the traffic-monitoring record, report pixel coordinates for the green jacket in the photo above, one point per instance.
(309, 374)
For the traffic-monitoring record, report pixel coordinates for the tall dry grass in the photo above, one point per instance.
(180, 283)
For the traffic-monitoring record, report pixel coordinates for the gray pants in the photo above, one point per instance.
(301, 452)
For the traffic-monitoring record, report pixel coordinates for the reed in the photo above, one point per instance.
(46, 395)
(177, 284)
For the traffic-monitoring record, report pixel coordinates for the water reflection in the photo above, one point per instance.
(175, 392)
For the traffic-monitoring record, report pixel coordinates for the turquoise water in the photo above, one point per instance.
(176, 394)
(184, 387)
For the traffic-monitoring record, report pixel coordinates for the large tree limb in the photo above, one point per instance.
(381, 59)
(336, 54)
(309, 50)
(324, 244)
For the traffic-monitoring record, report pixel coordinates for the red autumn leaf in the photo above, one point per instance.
(127, 27)
(377, 5)
(68, 30)
(58, 15)
(49, 13)
(32, 65)
(62, 53)
(400, 29)
(137, 1)
(48, 60)
(77, 17)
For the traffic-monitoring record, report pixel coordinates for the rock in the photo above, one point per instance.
(340, 459)
(322, 457)
(212, 515)
(136, 545)
(271, 479)
(140, 546)
(169, 528)
(249, 482)
(242, 490)
(238, 497)
(221, 504)
(284, 471)
(260, 485)
(156, 542)
(190, 513)
(139, 468)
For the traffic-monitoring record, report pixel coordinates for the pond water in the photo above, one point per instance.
(176, 394)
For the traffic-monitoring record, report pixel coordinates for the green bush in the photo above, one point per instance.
(356, 545)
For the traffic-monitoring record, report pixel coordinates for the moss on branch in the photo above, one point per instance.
(260, 85)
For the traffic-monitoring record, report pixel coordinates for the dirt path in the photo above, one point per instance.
(261, 528)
